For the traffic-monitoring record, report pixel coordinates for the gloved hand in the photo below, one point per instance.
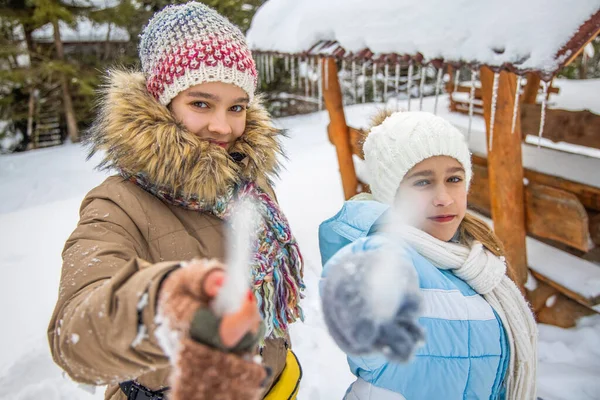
(371, 301)
(214, 356)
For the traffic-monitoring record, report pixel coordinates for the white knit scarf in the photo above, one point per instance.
(486, 274)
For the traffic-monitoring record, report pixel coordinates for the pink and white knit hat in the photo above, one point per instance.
(188, 44)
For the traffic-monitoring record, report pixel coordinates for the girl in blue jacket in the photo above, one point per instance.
(415, 290)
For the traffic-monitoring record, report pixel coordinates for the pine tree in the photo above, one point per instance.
(53, 12)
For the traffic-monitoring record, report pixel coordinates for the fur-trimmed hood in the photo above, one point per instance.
(139, 135)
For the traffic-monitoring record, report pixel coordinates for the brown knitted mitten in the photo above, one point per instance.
(203, 373)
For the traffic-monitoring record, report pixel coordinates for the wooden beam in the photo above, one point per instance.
(506, 170)
(557, 215)
(555, 308)
(531, 89)
(479, 192)
(588, 302)
(581, 48)
(577, 127)
(338, 129)
(589, 196)
(595, 229)
(550, 213)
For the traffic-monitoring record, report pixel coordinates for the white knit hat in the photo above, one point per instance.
(403, 140)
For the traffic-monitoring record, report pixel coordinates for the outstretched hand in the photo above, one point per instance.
(233, 326)
(371, 302)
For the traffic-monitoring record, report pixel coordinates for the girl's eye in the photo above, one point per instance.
(455, 179)
(237, 108)
(200, 104)
(421, 183)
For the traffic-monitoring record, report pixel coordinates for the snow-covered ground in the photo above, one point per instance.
(41, 191)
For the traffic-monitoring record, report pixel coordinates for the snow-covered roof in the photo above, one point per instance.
(535, 35)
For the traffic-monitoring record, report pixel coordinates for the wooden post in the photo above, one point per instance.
(338, 130)
(505, 169)
(531, 89)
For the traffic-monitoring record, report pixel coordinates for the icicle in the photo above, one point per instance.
(313, 89)
(266, 66)
(326, 73)
(272, 68)
(421, 87)
(341, 79)
(374, 82)
(516, 107)
(545, 86)
(293, 72)
(261, 69)
(493, 111)
(409, 83)
(397, 82)
(364, 81)
(256, 58)
(320, 83)
(456, 80)
(471, 101)
(306, 83)
(287, 63)
(385, 82)
(438, 86)
(299, 73)
(354, 81)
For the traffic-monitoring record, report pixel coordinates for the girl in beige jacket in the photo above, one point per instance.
(188, 138)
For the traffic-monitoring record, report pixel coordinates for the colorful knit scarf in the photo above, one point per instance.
(277, 267)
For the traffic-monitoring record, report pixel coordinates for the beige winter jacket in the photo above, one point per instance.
(127, 240)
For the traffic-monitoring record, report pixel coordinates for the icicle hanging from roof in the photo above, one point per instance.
(287, 63)
(258, 70)
(326, 73)
(306, 81)
(397, 79)
(354, 95)
(516, 107)
(471, 102)
(386, 73)
(545, 86)
(299, 73)
(493, 110)
(456, 80)
(313, 88)
(421, 87)
(320, 83)
(341, 80)
(374, 79)
(364, 81)
(293, 72)
(438, 85)
(409, 83)
(272, 67)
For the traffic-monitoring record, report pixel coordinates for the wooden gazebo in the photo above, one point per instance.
(565, 212)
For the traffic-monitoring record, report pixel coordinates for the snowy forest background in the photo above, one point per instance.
(54, 53)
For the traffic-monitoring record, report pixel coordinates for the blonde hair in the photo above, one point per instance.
(473, 229)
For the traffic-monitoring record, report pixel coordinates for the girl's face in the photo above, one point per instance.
(213, 111)
(433, 196)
